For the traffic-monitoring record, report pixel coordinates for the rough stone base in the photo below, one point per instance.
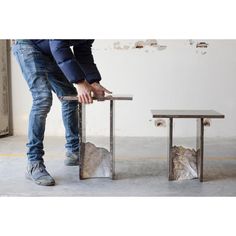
(96, 162)
(184, 163)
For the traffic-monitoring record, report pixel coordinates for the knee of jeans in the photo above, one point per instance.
(69, 105)
(42, 102)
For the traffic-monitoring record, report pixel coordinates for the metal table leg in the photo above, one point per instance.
(170, 144)
(82, 135)
(112, 137)
(200, 148)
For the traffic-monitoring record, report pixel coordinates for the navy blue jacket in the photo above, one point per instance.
(77, 65)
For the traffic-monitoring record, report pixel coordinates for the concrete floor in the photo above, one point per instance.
(141, 170)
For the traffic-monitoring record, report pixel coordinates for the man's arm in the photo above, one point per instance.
(84, 56)
(68, 64)
(66, 60)
(77, 67)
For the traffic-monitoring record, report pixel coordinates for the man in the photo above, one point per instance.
(51, 65)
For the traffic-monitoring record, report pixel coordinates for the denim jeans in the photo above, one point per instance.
(44, 76)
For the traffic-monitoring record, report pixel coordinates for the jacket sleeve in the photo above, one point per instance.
(66, 60)
(83, 54)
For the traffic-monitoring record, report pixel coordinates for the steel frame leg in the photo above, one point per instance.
(82, 135)
(200, 148)
(170, 145)
(112, 138)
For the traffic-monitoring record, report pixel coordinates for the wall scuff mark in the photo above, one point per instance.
(191, 42)
(140, 44)
(117, 45)
(201, 47)
(149, 43)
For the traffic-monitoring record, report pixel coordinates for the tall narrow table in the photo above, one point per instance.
(200, 115)
(82, 125)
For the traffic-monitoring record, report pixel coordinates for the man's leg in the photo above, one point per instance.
(32, 64)
(62, 87)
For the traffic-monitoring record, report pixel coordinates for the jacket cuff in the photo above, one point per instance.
(93, 77)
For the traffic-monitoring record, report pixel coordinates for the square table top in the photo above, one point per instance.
(186, 114)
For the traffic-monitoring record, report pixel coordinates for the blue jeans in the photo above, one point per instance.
(44, 76)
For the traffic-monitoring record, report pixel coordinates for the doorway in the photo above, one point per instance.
(4, 89)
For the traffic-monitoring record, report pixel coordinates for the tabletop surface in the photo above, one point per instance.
(186, 114)
(107, 97)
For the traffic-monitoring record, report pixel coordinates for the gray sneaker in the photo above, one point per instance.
(36, 171)
(72, 159)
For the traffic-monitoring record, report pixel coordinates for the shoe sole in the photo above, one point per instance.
(27, 176)
(71, 164)
(66, 164)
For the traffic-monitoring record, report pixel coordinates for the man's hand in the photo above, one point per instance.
(99, 90)
(84, 90)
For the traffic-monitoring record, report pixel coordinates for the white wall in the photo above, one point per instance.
(178, 77)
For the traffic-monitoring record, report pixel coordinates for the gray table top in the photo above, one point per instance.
(186, 114)
(107, 97)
